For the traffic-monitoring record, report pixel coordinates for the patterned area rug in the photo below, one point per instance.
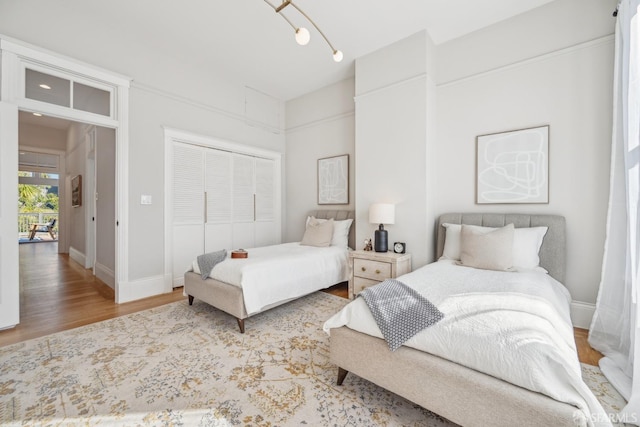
(189, 365)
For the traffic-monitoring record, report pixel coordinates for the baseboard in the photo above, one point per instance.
(141, 288)
(581, 314)
(106, 274)
(77, 256)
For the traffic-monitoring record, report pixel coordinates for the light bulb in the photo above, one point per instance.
(337, 55)
(302, 36)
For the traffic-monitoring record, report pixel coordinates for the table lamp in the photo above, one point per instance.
(381, 213)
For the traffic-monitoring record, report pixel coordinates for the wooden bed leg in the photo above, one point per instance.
(241, 325)
(342, 373)
(190, 300)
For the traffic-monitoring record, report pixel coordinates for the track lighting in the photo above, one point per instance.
(302, 34)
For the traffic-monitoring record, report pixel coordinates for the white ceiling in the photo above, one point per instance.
(244, 40)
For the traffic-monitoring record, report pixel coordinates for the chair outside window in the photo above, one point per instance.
(42, 228)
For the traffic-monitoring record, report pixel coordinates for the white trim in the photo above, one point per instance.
(321, 121)
(610, 39)
(122, 193)
(141, 288)
(394, 85)
(77, 256)
(48, 58)
(581, 314)
(105, 274)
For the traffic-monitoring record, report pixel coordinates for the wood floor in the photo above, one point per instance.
(56, 294)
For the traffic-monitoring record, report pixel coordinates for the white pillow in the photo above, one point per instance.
(340, 231)
(526, 244)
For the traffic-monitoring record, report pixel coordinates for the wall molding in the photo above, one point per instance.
(390, 86)
(202, 105)
(141, 288)
(610, 39)
(324, 120)
(582, 313)
(77, 256)
(105, 274)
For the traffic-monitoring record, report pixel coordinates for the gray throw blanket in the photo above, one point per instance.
(206, 262)
(400, 311)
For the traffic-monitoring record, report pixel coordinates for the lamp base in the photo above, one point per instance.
(381, 241)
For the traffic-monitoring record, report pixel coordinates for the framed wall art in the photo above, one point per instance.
(513, 167)
(333, 180)
(76, 191)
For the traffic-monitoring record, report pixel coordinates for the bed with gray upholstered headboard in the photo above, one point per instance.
(457, 392)
(232, 298)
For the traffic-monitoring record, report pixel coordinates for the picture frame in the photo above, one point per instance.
(333, 180)
(76, 191)
(513, 167)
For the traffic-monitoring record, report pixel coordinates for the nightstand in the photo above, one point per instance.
(369, 268)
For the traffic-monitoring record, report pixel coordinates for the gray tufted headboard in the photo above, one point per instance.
(552, 252)
(339, 215)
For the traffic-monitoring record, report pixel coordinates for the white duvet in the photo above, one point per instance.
(513, 326)
(272, 274)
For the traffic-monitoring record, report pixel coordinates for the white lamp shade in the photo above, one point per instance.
(302, 36)
(382, 213)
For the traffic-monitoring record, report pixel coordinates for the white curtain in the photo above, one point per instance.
(615, 328)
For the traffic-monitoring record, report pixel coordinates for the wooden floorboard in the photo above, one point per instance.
(57, 293)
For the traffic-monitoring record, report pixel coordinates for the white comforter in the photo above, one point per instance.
(514, 326)
(272, 274)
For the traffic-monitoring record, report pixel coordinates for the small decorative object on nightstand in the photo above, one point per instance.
(399, 247)
(367, 245)
(369, 268)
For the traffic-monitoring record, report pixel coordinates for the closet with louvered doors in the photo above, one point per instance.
(221, 200)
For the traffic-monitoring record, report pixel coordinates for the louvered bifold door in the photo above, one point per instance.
(188, 207)
(218, 189)
(243, 202)
(265, 229)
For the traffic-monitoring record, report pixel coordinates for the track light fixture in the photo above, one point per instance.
(302, 34)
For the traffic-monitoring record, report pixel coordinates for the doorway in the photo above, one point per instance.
(87, 225)
(70, 90)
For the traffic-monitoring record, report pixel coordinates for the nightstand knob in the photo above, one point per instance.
(364, 269)
(377, 271)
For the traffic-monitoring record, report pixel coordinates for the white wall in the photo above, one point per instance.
(105, 205)
(553, 65)
(319, 124)
(42, 137)
(76, 165)
(393, 89)
(164, 92)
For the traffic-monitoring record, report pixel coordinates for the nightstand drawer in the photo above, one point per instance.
(370, 269)
(360, 283)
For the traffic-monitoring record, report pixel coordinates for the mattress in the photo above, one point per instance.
(271, 274)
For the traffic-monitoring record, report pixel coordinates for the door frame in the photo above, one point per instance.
(16, 56)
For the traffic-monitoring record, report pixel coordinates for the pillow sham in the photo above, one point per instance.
(526, 244)
(340, 231)
(318, 233)
(491, 250)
